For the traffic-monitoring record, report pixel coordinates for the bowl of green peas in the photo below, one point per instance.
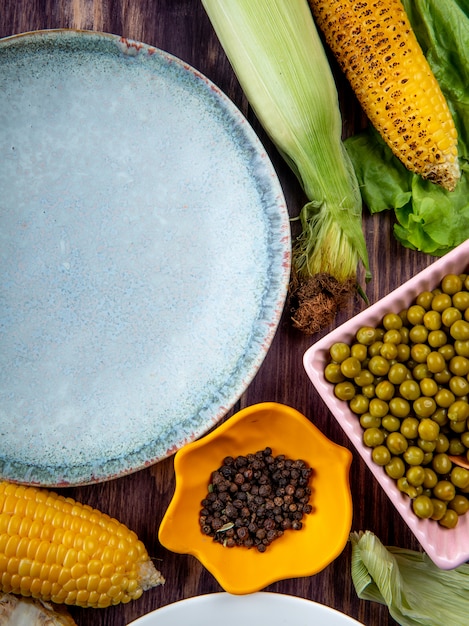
(396, 378)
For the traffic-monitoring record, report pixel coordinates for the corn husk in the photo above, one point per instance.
(19, 611)
(414, 589)
(279, 59)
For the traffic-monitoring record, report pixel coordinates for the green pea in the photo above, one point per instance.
(444, 490)
(384, 390)
(409, 427)
(424, 299)
(373, 437)
(440, 416)
(378, 408)
(423, 406)
(418, 335)
(381, 455)
(404, 486)
(391, 423)
(447, 351)
(460, 330)
(451, 283)
(443, 377)
(460, 477)
(396, 443)
(461, 348)
(344, 390)
(457, 427)
(416, 475)
(439, 509)
(410, 390)
(456, 447)
(389, 351)
(459, 365)
(399, 407)
(450, 519)
(378, 365)
(441, 301)
(395, 468)
(350, 367)
(442, 464)
(403, 352)
(421, 371)
(461, 300)
(430, 478)
(432, 320)
(420, 351)
(375, 349)
(459, 386)
(422, 507)
(339, 351)
(365, 377)
(397, 373)
(426, 445)
(368, 391)
(359, 404)
(437, 338)
(442, 443)
(359, 351)
(460, 504)
(415, 314)
(428, 430)
(369, 421)
(392, 321)
(333, 374)
(444, 397)
(413, 455)
(450, 315)
(366, 335)
(428, 387)
(436, 362)
(458, 411)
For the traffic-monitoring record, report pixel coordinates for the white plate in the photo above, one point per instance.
(257, 609)
(145, 256)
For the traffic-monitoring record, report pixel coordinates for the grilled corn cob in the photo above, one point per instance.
(376, 48)
(55, 549)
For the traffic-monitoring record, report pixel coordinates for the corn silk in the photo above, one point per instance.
(414, 589)
(428, 218)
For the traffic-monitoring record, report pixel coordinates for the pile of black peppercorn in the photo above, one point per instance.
(253, 499)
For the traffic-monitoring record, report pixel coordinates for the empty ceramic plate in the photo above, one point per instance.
(145, 256)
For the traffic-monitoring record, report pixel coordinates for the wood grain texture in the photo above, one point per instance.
(181, 27)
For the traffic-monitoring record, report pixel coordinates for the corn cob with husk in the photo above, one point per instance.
(58, 550)
(276, 52)
(376, 48)
(18, 611)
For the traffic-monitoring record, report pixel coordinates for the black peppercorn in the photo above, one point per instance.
(254, 498)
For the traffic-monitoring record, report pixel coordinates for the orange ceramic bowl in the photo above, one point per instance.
(305, 552)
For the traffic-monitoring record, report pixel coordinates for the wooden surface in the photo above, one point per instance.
(182, 28)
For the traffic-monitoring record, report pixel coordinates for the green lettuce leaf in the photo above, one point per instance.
(429, 218)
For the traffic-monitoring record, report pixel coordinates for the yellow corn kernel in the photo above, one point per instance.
(376, 48)
(55, 549)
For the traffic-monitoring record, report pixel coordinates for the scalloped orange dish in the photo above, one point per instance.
(325, 531)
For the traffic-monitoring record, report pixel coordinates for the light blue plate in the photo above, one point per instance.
(145, 256)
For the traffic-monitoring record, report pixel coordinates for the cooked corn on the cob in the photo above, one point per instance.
(58, 550)
(376, 48)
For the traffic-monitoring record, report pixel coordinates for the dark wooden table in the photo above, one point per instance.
(182, 28)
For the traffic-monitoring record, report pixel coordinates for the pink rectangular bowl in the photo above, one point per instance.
(447, 548)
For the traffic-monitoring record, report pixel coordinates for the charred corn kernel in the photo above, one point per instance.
(376, 48)
(55, 549)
